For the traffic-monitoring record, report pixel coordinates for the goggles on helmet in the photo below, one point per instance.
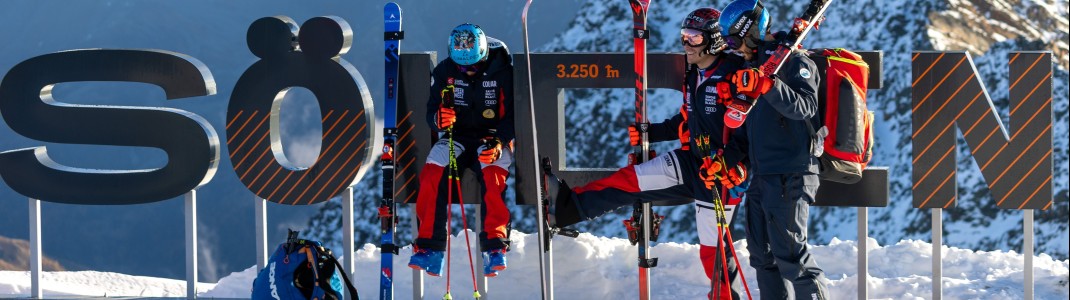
(692, 37)
(733, 42)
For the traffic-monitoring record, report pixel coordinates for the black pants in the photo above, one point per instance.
(778, 210)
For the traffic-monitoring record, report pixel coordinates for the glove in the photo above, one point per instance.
(445, 117)
(713, 172)
(490, 151)
(633, 135)
(752, 82)
(732, 177)
(709, 171)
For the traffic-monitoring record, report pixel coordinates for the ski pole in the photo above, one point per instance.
(467, 243)
(448, 102)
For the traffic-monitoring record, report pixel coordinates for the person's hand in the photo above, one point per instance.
(751, 82)
(713, 171)
(445, 117)
(490, 151)
(633, 135)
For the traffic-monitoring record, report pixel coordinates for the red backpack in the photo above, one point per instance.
(846, 123)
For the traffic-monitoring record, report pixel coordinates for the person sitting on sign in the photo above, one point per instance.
(472, 102)
(710, 162)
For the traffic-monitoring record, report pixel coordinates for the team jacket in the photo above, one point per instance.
(780, 141)
(703, 115)
(482, 102)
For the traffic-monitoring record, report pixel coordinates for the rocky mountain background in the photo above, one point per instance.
(989, 30)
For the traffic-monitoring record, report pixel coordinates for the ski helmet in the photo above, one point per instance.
(701, 27)
(468, 44)
(744, 22)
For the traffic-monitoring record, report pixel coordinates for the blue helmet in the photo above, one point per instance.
(468, 45)
(744, 21)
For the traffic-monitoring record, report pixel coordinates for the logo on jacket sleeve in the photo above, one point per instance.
(805, 73)
(271, 281)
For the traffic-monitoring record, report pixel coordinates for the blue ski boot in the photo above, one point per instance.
(427, 260)
(493, 261)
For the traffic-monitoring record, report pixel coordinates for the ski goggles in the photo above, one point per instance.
(469, 68)
(692, 37)
(733, 41)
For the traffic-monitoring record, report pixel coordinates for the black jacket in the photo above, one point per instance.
(780, 140)
(705, 114)
(483, 101)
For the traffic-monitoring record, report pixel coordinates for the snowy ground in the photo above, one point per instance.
(591, 267)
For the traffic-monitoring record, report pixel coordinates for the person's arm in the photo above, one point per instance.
(438, 82)
(667, 130)
(794, 93)
(735, 151)
(506, 130)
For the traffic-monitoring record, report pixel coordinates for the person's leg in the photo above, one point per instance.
(763, 189)
(789, 218)
(431, 199)
(706, 223)
(494, 213)
(657, 179)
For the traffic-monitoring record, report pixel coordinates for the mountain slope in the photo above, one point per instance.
(898, 28)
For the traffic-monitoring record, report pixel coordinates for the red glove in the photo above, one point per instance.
(732, 177)
(445, 117)
(709, 171)
(713, 172)
(490, 151)
(752, 82)
(633, 135)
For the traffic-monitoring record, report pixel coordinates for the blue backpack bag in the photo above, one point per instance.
(302, 269)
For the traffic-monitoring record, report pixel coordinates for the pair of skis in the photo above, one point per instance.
(387, 207)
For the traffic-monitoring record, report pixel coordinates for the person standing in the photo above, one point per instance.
(694, 171)
(783, 156)
(472, 100)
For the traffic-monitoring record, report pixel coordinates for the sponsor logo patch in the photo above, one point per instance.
(805, 73)
(271, 281)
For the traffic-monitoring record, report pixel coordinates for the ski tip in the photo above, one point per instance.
(391, 12)
(734, 118)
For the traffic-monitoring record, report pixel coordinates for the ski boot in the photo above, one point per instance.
(493, 261)
(427, 260)
(560, 208)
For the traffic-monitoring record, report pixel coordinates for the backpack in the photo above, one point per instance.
(301, 269)
(845, 124)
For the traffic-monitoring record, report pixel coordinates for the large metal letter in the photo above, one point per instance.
(27, 105)
(345, 108)
(1018, 167)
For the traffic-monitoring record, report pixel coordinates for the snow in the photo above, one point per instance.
(94, 284)
(593, 267)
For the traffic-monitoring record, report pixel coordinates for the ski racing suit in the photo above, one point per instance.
(675, 175)
(484, 108)
(784, 167)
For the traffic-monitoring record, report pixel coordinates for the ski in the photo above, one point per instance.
(545, 256)
(392, 36)
(642, 212)
(815, 13)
